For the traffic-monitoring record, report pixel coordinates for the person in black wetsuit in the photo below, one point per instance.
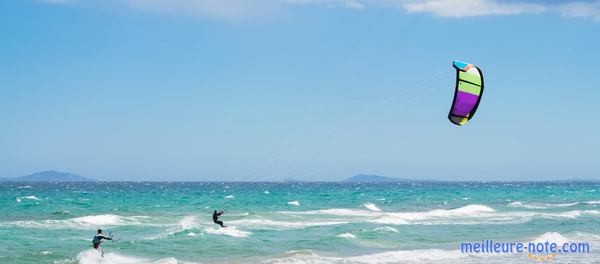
(98, 239)
(216, 218)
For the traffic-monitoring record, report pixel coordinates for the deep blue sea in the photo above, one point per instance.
(162, 222)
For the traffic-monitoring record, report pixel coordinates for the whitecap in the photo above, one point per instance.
(30, 197)
(296, 203)
(552, 237)
(184, 224)
(228, 231)
(229, 197)
(384, 229)
(372, 207)
(92, 256)
(83, 222)
(347, 235)
(540, 206)
(406, 256)
(273, 224)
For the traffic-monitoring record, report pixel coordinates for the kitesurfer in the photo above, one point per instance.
(216, 218)
(98, 239)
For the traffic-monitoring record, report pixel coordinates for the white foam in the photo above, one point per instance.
(100, 220)
(593, 202)
(424, 255)
(551, 237)
(407, 256)
(24, 187)
(184, 224)
(384, 229)
(228, 231)
(83, 222)
(266, 223)
(30, 197)
(528, 206)
(372, 207)
(229, 197)
(92, 256)
(466, 215)
(296, 203)
(347, 235)
(540, 206)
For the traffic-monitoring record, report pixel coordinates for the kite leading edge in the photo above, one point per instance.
(468, 92)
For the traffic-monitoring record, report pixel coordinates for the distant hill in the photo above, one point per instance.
(49, 176)
(373, 178)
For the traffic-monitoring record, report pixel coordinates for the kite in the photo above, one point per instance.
(468, 92)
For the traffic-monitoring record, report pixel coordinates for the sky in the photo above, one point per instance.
(261, 90)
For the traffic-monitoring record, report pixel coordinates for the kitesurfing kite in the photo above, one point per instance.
(468, 92)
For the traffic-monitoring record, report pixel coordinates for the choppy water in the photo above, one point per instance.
(292, 222)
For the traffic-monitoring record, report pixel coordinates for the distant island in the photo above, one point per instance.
(49, 176)
(374, 178)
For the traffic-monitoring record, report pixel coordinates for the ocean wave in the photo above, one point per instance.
(267, 223)
(372, 207)
(229, 197)
(466, 215)
(186, 223)
(592, 202)
(403, 256)
(528, 206)
(540, 206)
(551, 237)
(83, 222)
(228, 231)
(296, 203)
(347, 235)
(30, 197)
(92, 256)
(385, 229)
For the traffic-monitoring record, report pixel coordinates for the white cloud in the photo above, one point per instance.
(210, 8)
(466, 8)
(353, 4)
(581, 9)
(235, 9)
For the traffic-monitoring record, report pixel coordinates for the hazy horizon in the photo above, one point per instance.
(307, 90)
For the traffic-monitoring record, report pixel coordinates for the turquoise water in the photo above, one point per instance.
(292, 222)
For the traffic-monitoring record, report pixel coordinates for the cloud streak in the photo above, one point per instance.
(468, 8)
(235, 9)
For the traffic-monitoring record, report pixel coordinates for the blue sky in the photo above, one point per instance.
(305, 89)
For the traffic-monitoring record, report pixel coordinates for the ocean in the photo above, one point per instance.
(171, 222)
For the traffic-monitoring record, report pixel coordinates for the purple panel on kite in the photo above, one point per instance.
(464, 103)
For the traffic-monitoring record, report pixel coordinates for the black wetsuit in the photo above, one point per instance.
(216, 218)
(98, 240)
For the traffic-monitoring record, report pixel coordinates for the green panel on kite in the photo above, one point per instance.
(469, 88)
(469, 77)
